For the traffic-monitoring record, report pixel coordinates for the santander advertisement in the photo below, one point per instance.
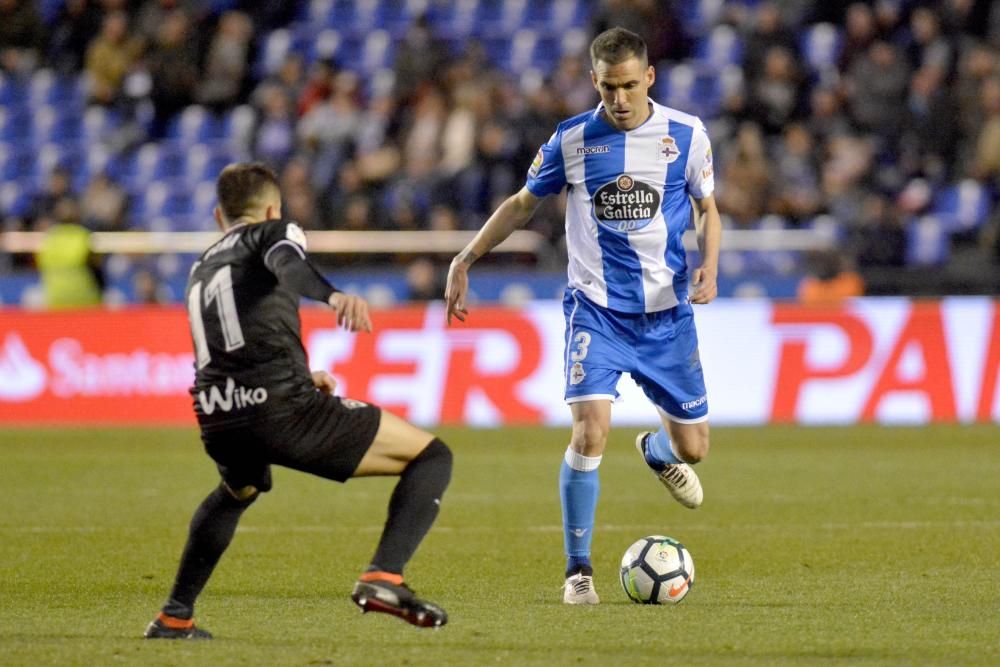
(891, 361)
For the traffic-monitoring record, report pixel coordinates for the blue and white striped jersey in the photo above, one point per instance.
(627, 205)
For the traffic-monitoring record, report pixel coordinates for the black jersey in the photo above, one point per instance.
(249, 360)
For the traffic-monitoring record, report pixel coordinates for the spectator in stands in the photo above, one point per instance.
(103, 205)
(423, 280)
(318, 87)
(173, 65)
(298, 195)
(225, 70)
(655, 21)
(290, 78)
(929, 47)
(148, 289)
(274, 140)
(797, 194)
(880, 236)
(775, 95)
(860, 32)
(58, 187)
(110, 57)
(419, 56)
(876, 90)
(153, 14)
(987, 139)
(928, 142)
(326, 131)
(768, 32)
(70, 272)
(830, 281)
(745, 184)
(22, 36)
(826, 117)
(75, 25)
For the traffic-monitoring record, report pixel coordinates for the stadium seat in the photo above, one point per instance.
(52, 155)
(499, 18)
(962, 207)
(238, 128)
(16, 199)
(194, 125)
(204, 162)
(325, 46)
(16, 162)
(696, 16)
(13, 93)
(15, 125)
(455, 20)
(719, 48)
(927, 242)
(56, 124)
(48, 88)
(378, 51)
(277, 45)
(820, 46)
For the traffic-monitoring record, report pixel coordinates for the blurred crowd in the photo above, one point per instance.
(906, 105)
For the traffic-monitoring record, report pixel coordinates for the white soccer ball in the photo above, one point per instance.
(657, 570)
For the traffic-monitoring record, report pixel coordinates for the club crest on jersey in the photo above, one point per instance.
(577, 374)
(666, 150)
(625, 204)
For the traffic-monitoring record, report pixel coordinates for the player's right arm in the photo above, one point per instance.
(511, 215)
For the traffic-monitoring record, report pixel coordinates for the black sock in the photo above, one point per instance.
(413, 507)
(211, 531)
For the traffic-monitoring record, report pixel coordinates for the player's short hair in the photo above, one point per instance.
(617, 45)
(243, 186)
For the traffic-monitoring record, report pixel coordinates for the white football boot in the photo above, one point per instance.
(679, 478)
(579, 589)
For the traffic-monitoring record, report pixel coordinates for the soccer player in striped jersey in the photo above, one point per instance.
(636, 172)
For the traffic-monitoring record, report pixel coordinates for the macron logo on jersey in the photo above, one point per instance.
(234, 397)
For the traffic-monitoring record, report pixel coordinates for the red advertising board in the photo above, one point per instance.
(879, 360)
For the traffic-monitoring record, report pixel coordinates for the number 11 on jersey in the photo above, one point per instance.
(219, 290)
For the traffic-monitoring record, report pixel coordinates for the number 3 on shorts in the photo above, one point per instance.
(582, 341)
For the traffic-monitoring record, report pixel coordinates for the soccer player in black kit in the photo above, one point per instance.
(258, 404)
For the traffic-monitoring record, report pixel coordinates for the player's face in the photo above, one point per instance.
(624, 89)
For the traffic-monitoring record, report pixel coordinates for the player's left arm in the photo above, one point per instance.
(708, 227)
(286, 259)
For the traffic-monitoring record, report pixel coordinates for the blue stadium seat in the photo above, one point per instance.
(16, 199)
(356, 17)
(169, 199)
(153, 162)
(56, 124)
(377, 52)
(13, 93)
(16, 162)
(325, 45)
(276, 47)
(15, 125)
(195, 124)
(500, 18)
(820, 46)
(927, 242)
(721, 47)
(48, 88)
(697, 16)
(554, 17)
(238, 127)
(205, 161)
(454, 19)
(52, 155)
(962, 207)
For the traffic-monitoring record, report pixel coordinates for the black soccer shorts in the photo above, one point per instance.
(327, 437)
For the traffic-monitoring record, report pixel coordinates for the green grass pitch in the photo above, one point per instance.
(859, 545)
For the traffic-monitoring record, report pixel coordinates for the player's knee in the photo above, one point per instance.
(245, 495)
(589, 437)
(693, 449)
(436, 456)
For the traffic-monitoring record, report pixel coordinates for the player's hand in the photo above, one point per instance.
(703, 283)
(324, 382)
(456, 290)
(352, 311)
